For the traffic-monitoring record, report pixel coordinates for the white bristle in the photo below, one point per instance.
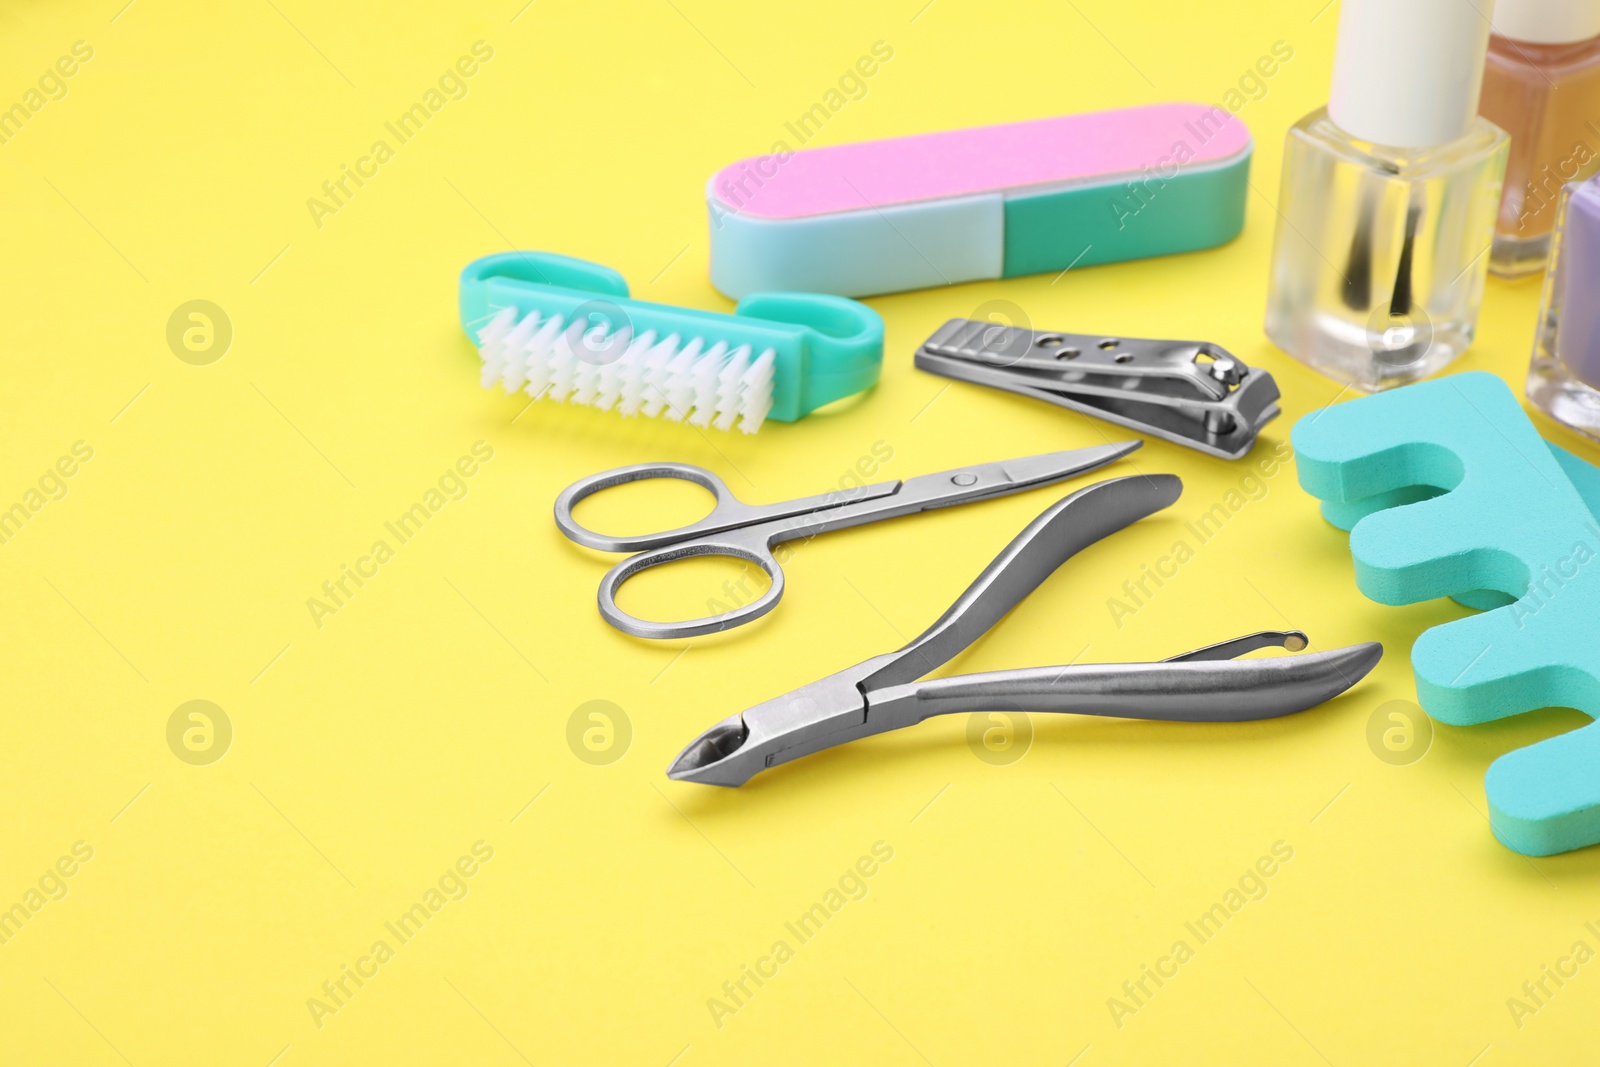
(490, 346)
(599, 350)
(728, 379)
(699, 380)
(563, 357)
(634, 393)
(497, 326)
(500, 346)
(647, 396)
(513, 363)
(614, 374)
(672, 397)
(755, 396)
(529, 368)
(703, 378)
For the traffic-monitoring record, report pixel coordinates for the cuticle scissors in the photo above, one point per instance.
(748, 532)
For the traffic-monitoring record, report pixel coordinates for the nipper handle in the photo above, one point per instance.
(1218, 690)
(1064, 529)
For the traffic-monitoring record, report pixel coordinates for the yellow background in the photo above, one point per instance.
(372, 752)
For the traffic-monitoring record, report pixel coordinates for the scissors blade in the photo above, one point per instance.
(985, 480)
(981, 481)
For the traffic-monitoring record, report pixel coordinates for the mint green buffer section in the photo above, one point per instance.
(1448, 491)
(1199, 207)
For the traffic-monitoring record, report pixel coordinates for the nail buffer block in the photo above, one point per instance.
(982, 203)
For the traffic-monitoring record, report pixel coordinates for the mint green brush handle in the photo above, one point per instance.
(824, 348)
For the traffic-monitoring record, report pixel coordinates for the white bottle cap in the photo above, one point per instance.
(1406, 73)
(1547, 21)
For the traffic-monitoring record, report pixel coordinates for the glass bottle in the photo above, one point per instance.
(1388, 199)
(1564, 377)
(1377, 269)
(1541, 84)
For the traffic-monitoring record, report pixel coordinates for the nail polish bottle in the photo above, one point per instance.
(1541, 84)
(1564, 378)
(1388, 200)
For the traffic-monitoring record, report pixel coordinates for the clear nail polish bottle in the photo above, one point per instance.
(1541, 84)
(1388, 201)
(1564, 378)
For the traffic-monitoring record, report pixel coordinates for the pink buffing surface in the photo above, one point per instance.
(951, 163)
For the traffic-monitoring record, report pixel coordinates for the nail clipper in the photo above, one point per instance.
(1191, 393)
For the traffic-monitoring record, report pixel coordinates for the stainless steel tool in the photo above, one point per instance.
(883, 693)
(748, 531)
(1192, 393)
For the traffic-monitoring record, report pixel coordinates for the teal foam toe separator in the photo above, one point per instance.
(1448, 490)
(828, 347)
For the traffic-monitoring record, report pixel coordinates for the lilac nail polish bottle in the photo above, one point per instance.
(1564, 378)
